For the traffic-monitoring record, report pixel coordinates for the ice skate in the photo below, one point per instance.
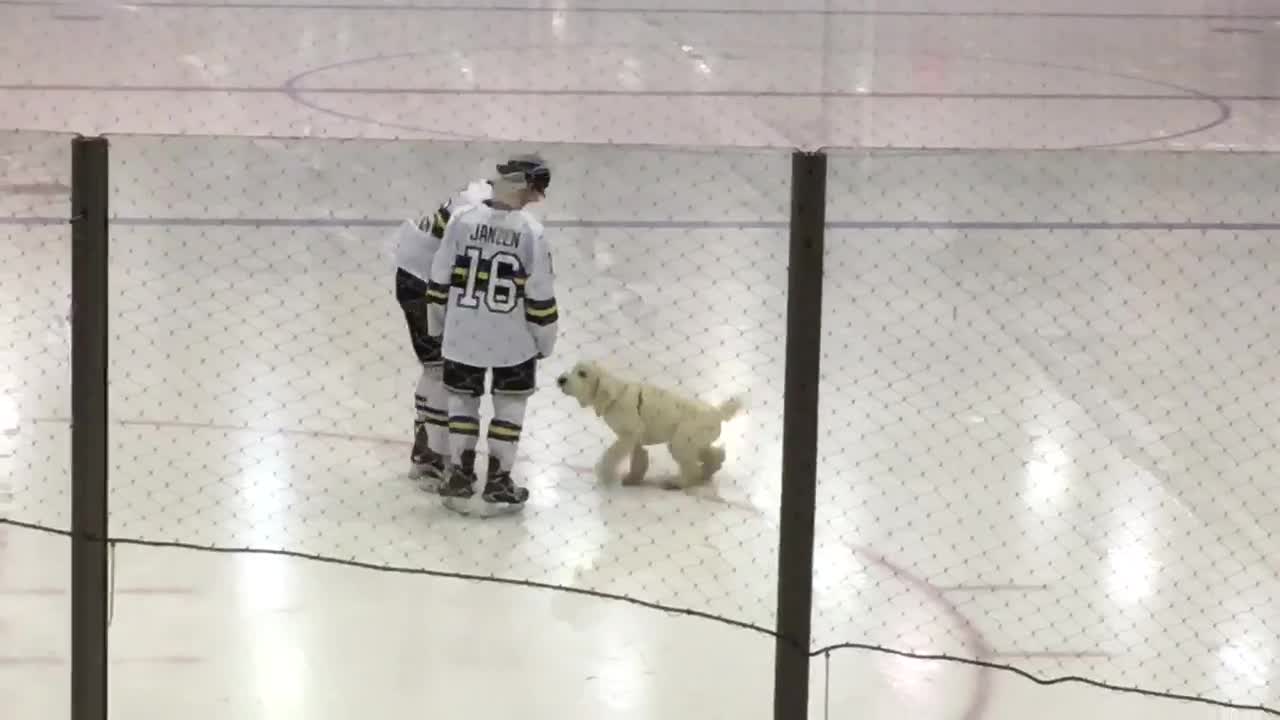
(461, 481)
(501, 496)
(500, 490)
(425, 463)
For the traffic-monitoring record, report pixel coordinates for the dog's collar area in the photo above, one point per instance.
(601, 412)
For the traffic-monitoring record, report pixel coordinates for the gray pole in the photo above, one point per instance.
(89, 572)
(800, 435)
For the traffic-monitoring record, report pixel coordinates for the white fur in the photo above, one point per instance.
(641, 414)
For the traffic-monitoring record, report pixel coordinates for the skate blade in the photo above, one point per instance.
(475, 506)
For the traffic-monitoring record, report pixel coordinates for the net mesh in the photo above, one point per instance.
(1047, 438)
(1047, 425)
(35, 393)
(263, 378)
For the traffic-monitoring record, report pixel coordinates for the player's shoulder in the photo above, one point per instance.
(469, 208)
(470, 211)
(531, 223)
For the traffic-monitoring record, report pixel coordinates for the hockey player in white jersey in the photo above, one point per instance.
(493, 297)
(416, 243)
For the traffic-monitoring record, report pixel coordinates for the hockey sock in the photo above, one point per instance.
(432, 402)
(504, 428)
(464, 425)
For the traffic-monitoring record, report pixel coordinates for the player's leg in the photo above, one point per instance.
(512, 387)
(465, 385)
(433, 412)
(430, 433)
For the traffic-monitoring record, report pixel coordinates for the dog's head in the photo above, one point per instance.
(590, 385)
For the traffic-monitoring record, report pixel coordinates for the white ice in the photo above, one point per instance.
(1044, 444)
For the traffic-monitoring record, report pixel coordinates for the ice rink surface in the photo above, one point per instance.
(1049, 410)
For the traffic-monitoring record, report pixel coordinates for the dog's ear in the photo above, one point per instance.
(586, 383)
(583, 383)
(607, 389)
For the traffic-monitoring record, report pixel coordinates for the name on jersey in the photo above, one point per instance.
(496, 236)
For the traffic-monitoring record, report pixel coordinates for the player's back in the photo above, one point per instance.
(494, 253)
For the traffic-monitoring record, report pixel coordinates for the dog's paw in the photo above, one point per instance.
(681, 481)
(606, 475)
(712, 459)
(635, 476)
(639, 467)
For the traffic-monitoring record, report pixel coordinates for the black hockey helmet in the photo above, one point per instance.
(537, 174)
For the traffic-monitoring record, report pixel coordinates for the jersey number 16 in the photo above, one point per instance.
(500, 290)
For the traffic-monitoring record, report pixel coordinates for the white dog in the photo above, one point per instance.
(641, 414)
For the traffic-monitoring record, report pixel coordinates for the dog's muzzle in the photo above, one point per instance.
(562, 380)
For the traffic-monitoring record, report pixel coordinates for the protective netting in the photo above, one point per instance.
(263, 378)
(1050, 422)
(35, 393)
(1047, 407)
(35, 279)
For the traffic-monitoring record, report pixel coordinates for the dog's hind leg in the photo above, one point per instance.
(712, 458)
(686, 455)
(639, 466)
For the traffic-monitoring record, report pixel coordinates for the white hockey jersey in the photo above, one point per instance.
(492, 288)
(417, 242)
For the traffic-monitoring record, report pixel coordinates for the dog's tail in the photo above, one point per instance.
(730, 408)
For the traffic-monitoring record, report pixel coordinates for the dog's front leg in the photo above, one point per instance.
(607, 468)
(639, 466)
